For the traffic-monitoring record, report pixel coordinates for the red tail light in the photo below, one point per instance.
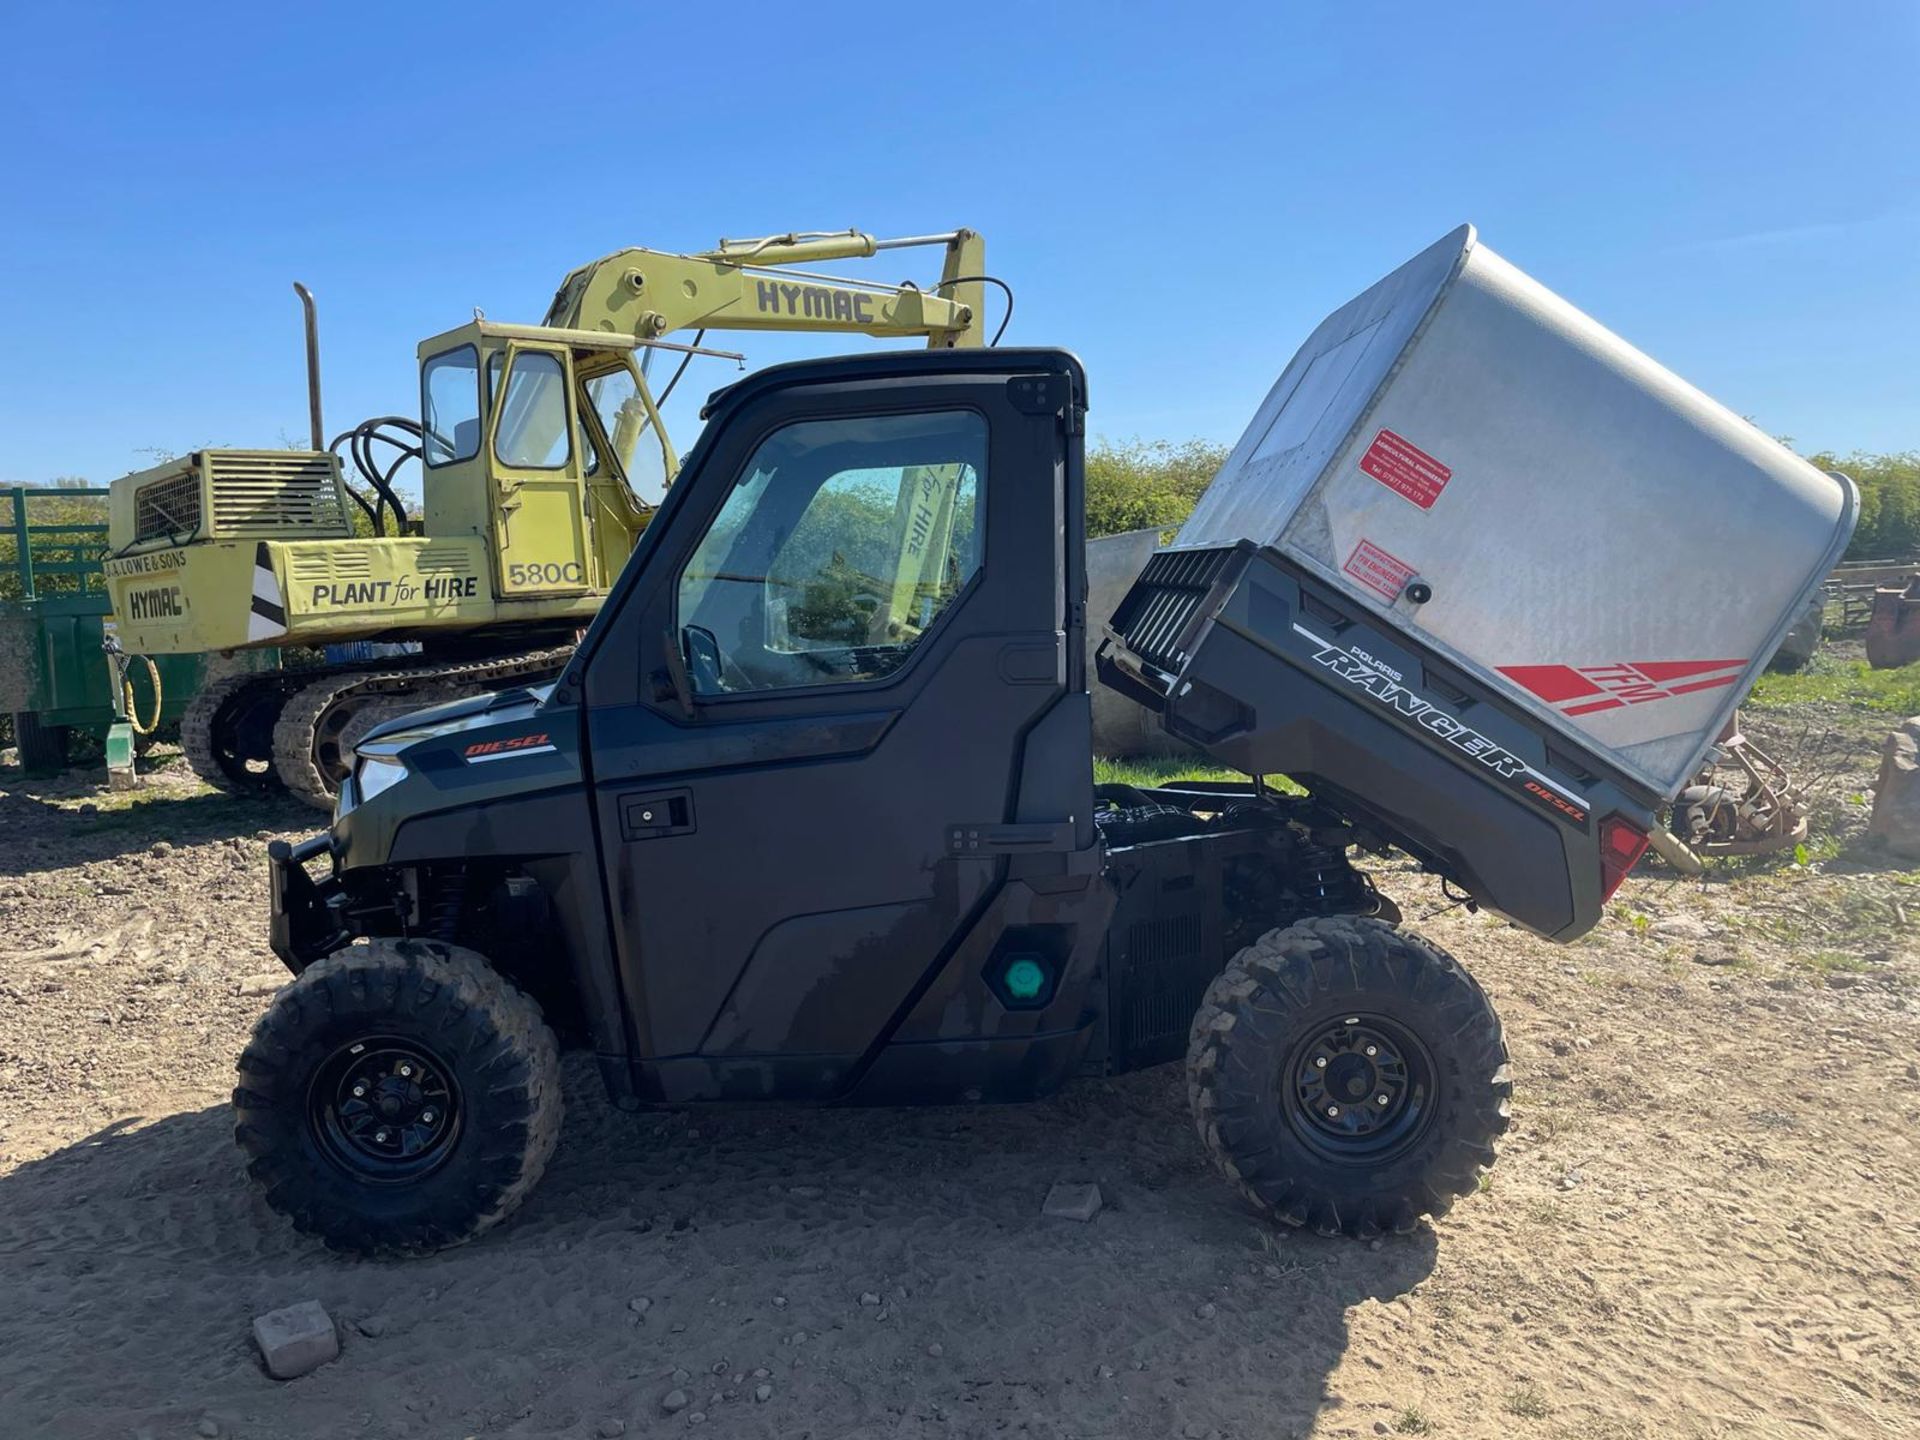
(1621, 846)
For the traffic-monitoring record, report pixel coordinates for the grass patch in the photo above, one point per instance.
(1527, 1402)
(1410, 1421)
(1832, 962)
(1606, 1427)
(1780, 865)
(1547, 1212)
(1823, 845)
(106, 801)
(1852, 683)
(1148, 773)
(1167, 770)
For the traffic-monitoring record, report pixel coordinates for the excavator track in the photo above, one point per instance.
(320, 723)
(196, 729)
(211, 731)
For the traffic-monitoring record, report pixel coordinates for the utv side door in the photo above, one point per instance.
(841, 684)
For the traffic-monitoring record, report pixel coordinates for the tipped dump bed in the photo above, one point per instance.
(1516, 489)
(1484, 578)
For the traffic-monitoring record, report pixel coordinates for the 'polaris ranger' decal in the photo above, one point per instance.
(1388, 688)
(507, 749)
(1589, 688)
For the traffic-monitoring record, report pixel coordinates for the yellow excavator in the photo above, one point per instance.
(542, 456)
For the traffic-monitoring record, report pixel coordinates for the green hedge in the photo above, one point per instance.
(1135, 484)
(1889, 526)
(50, 506)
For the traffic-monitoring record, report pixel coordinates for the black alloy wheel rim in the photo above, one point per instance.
(385, 1110)
(1359, 1089)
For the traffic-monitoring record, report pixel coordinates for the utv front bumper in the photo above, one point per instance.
(306, 921)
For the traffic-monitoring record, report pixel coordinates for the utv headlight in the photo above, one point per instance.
(375, 773)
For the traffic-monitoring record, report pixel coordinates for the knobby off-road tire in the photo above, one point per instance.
(1293, 1048)
(399, 1096)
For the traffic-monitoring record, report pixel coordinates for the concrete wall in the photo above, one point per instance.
(1120, 727)
(19, 660)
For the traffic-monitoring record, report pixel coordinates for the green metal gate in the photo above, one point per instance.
(54, 672)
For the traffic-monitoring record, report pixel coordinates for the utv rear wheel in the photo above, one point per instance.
(398, 1096)
(1348, 1076)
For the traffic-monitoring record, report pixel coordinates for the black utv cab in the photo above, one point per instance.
(811, 816)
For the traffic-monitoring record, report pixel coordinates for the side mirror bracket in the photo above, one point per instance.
(677, 687)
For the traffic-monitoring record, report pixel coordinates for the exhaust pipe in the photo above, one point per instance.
(1672, 849)
(313, 367)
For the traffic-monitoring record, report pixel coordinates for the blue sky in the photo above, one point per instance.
(1178, 193)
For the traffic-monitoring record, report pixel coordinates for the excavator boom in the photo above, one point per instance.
(751, 285)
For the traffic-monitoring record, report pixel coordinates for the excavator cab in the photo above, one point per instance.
(534, 438)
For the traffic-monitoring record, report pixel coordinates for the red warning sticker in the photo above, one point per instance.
(1405, 469)
(1377, 570)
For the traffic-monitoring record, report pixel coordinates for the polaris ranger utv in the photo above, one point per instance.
(811, 814)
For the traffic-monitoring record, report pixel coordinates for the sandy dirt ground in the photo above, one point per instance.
(1703, 1223)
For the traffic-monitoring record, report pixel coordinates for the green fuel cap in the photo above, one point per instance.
(1025, 978)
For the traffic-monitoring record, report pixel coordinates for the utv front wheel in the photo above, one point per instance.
(398, 1096)
(1348, 1076)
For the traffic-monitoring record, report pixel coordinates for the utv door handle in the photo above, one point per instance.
(655, 814)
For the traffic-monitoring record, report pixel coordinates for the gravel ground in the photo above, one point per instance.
(1702, 1224)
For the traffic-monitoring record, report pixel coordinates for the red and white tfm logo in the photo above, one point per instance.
(1584, 689)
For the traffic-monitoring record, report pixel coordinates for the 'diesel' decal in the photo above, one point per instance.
(507, 749)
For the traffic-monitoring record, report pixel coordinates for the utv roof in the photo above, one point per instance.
(907, 364)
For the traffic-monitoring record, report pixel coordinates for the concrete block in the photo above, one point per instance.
(1896, 796)
(296, 1340)
(1072, 1202)
(1120, 727)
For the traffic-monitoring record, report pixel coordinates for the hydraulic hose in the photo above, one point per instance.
(360, 441)
(122, 663)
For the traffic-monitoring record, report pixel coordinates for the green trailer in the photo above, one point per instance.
(56, 677)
